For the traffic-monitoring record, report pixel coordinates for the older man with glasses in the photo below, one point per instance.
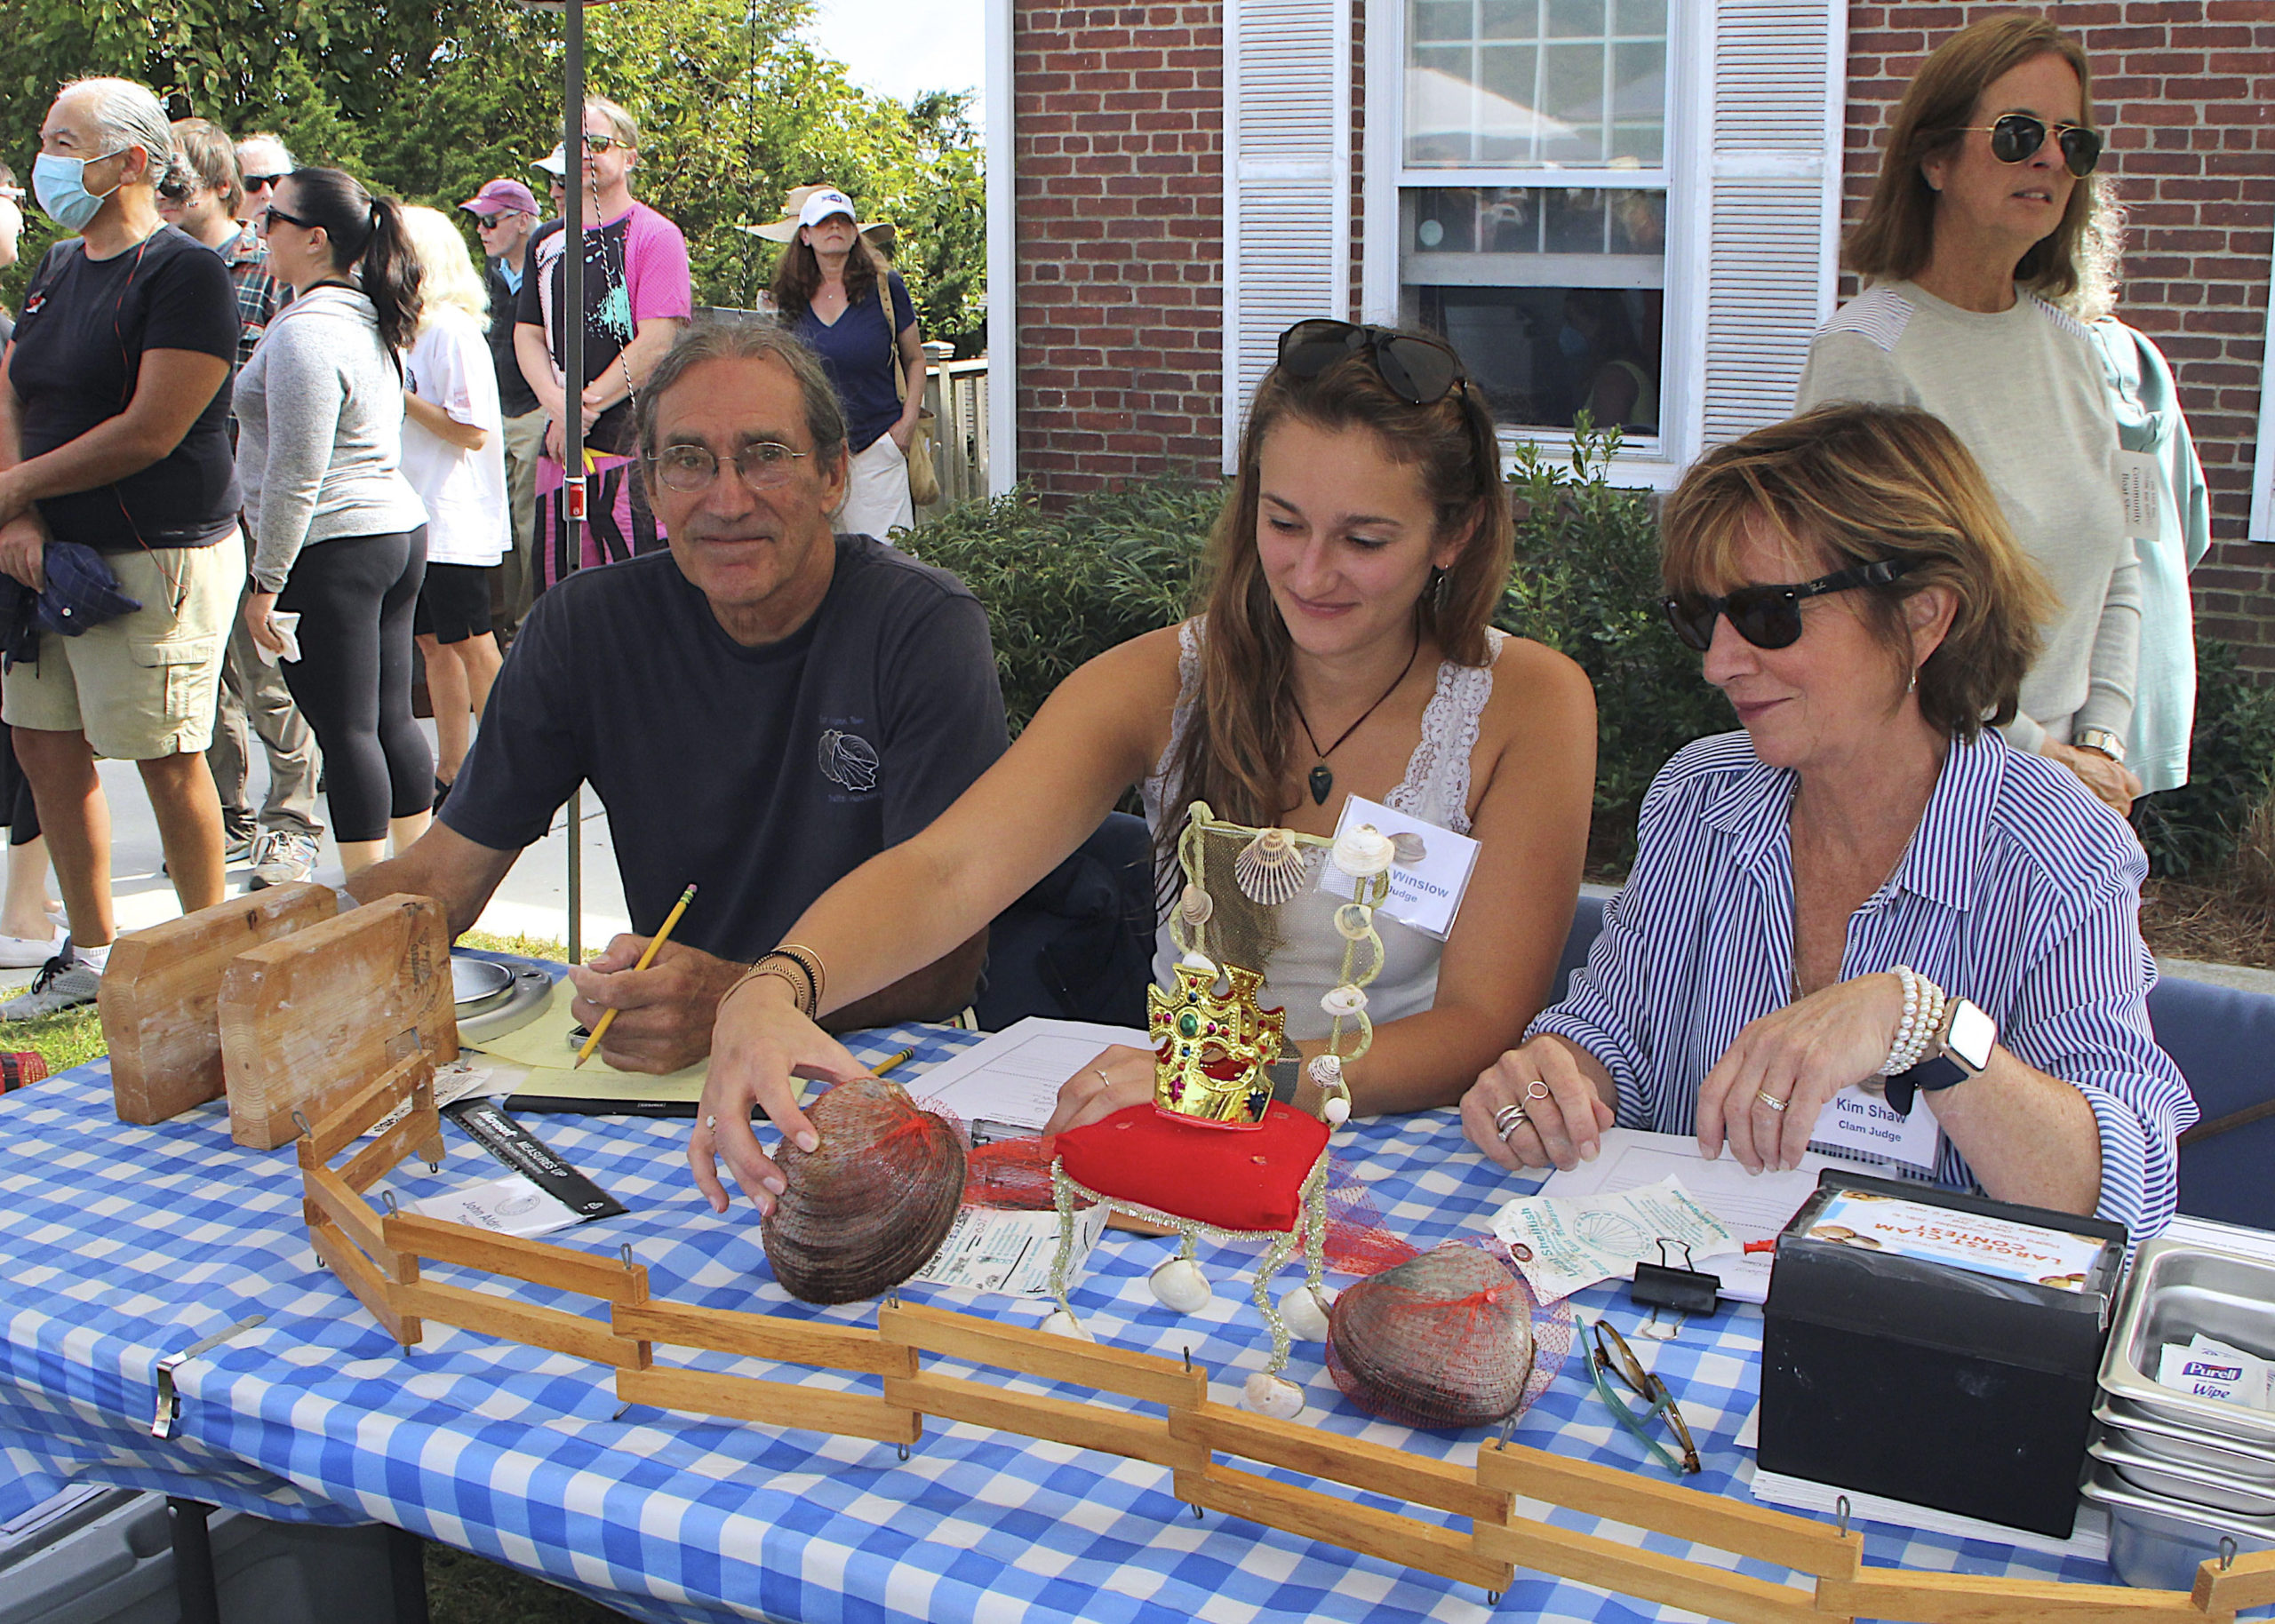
(505, 215)
(761, 708)
(263, 160)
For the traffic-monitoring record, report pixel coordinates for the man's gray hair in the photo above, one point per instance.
(128, 114)
(714, 338)
(262, 138)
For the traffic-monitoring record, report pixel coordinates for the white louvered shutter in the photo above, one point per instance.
(1287, 181)
(1774, 219)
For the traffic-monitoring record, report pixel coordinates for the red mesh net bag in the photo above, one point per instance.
(869, 1206)
(1013, 1173)
(1450, 1339)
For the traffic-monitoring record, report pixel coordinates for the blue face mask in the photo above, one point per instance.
(59, 183)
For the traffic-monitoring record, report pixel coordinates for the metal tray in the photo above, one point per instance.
(2213, 1491)
(2156, 1545)
(476, 984)
(2176, 1289)
(2179, 1446)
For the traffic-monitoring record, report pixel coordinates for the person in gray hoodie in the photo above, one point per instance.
(340, 537)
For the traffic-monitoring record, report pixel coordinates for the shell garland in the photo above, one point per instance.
(1363, 851)
(1270, 868)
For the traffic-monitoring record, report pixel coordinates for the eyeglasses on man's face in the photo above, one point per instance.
(1613, 1358)
(594, 142)
(262, 183)
(688, 469)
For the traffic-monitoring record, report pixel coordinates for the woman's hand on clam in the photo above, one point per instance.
(1763, 1097)
(1117, 1079)
(760, 1042)
(1535, 1107)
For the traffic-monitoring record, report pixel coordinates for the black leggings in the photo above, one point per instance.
(354, 597)
(16, 794)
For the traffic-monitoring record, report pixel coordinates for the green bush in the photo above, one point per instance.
(2194, 830)
(1063, 586)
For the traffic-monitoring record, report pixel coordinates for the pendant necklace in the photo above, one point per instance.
(1322, 776)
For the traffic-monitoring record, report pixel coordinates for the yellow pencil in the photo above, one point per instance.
(892, 1060)
(600, 1027)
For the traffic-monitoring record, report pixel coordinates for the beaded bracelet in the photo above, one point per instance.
(1923, 1018)
(799, 969)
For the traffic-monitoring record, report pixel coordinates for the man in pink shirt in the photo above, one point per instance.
(637, 295)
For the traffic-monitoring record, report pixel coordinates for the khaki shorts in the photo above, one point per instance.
(144, 685)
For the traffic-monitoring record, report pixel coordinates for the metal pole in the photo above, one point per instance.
(572, 364)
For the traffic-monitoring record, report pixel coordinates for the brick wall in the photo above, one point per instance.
(1119, 136)
(2183, 92)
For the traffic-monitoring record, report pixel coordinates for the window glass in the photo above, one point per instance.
(1576, 83)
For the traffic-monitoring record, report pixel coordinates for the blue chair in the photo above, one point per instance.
(1080, 945)
(2222, 1038)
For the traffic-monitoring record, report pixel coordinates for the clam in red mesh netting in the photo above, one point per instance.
(868, 1206)
(1450, 1339)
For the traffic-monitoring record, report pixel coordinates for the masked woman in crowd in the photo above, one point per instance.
(1868, 885)
(1346, 650)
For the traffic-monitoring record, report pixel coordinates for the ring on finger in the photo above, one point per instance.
(1508, 1119)
(1771, 1100)
(1102, 1076)
(1536, 1090)
(710, 1125)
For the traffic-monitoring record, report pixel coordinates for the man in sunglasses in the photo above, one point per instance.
(262, 161)
(505, 214)
(761, 709)
(1973, 227)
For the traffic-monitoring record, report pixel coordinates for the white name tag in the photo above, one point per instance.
(2140, 482)
(1855, 1123)
(1424, 894)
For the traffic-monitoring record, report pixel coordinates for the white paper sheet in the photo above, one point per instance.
(1012, 1078)
(1565, 1244)
(992, 1249)
(1753, 1207)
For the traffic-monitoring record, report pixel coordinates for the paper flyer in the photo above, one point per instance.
(510, 1206)
(1998, 1247)
(993, 1249)
(1565, 1245)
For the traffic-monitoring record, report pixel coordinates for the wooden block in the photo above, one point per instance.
(421, 1130)
(309, 1020)
(770, 1404)
(1039, 1353)
(2248, 1583)
(1966, 1599)
(1312, 1516)
(1057, 1421)
(764, 1336)
(515, 1322)
(1668, 1507)
(442, 1242)
(352, 1215)
(1625, 1571)
(372, 1289)
(397, 1085)
(161, 987)
(1373, 1466)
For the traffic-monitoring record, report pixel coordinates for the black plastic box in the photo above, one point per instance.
(1928, 1382)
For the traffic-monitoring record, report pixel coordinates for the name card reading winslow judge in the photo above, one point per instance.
(1424, 895)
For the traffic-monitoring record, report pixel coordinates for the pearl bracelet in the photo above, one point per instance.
(1923, 1018)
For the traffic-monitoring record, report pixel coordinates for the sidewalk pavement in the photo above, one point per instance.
(533, 900)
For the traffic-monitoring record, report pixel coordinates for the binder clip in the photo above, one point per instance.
(1687, 1291)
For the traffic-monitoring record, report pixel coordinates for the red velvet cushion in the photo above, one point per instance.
(1252, 1180)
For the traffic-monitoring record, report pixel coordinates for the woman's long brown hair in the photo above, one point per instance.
(1235, 749)
(797, 275)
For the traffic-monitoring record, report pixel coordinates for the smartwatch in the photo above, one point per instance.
(2101, 741)
(1962, 1048)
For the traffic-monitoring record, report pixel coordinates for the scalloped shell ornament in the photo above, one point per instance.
(1363, 851)
(1196, 904)
(1272, 867)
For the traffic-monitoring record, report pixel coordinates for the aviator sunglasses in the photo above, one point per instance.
(2015, 136)
(1420, 371)
(1770, 616)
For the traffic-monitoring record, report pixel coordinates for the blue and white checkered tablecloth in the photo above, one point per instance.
(119, 1245)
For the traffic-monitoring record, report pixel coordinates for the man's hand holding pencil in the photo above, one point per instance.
(650, 1001)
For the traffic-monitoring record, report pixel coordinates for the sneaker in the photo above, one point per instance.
(22, 952)
(63, 982)
(280, 858)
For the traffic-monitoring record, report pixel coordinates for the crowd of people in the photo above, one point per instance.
(1908, 872)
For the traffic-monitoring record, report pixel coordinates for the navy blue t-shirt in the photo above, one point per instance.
(761, 774)
(857, 353)
(78, 350)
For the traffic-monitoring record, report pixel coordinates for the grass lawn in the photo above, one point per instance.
(460, 1589)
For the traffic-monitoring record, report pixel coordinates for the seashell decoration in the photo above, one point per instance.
(1363, 851)
(1180, 1284)
(1060, 1323)
(1273, 1395)
(869, 1206)
(1325, 1070)
(1409, 848)
(1196, 904)
(1354, 921)
(1303, 1310)
(1195, 959)
(1270, 868)
(1444, 1340)
(1345, 1000)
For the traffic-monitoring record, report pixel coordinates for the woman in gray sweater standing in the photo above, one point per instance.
(1972, 229)
(339, 536)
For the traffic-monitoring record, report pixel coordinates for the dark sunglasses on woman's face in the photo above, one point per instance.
(1418, 370)
(271, 214)
(2015, 136)
(1770, 616)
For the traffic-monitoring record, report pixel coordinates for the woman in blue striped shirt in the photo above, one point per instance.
(1867, 883)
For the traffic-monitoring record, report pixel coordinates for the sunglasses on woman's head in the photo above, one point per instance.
(1770, 616)
(1420, 371)
(2015, 136)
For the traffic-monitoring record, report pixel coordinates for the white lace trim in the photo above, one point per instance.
(1450, 727)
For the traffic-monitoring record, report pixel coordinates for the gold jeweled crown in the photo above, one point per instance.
(1211, 1053)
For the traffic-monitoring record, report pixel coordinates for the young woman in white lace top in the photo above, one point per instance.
(1346, 650)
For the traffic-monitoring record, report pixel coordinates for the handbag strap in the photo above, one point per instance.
(892, 339)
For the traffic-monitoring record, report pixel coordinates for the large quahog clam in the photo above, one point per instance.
(868, 1206)
(1444, 1340)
